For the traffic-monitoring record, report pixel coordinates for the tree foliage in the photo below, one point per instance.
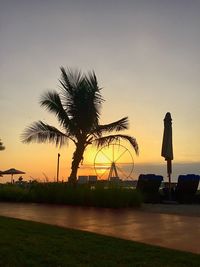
(77, 108)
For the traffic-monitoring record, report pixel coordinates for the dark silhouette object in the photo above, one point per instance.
(186, 188)
(167, 146)
(77, 109)
(2, 147)
(20, 179)
(12, 171)
(58, 167)
(148, 185)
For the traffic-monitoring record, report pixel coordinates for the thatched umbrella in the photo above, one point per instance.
(12, 171)
(167, 146)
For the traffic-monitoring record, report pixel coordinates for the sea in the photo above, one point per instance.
(157, 168)
(161, 169)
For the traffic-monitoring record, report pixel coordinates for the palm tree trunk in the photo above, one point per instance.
(77, 157)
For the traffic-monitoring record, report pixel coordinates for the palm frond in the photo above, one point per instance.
(2, 147)
(117, 126)
(92, 83)
(94, 92)
(107, 140)
(52, 102)
(81, 99)
(70, 82)
(43, 133)
(70, 79)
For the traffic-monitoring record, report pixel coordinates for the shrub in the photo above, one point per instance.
(111, 196)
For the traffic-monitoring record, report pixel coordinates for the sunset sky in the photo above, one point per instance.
(146, 57)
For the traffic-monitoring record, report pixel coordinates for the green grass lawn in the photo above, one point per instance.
(24, 243)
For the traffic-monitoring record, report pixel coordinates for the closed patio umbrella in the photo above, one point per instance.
(12, 171)
(167, 146)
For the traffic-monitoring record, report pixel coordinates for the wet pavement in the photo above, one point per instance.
(166, 230)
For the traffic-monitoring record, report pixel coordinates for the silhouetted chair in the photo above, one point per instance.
(186, 188)
(148, 185)
(82, 179)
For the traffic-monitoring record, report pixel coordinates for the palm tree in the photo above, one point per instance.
(2, 147)
(77, 109)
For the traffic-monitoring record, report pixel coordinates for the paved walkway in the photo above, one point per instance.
(166, 230)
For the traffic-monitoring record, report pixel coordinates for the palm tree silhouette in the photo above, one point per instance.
(77, 109)
(2, 147)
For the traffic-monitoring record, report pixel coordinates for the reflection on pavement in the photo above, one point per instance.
(167, 230)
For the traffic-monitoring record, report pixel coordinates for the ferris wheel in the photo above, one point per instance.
(112, 162)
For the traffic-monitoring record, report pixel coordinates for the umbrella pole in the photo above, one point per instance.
(169, 170)
(170, 195)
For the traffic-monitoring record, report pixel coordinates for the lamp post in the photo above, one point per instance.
(58, 167)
